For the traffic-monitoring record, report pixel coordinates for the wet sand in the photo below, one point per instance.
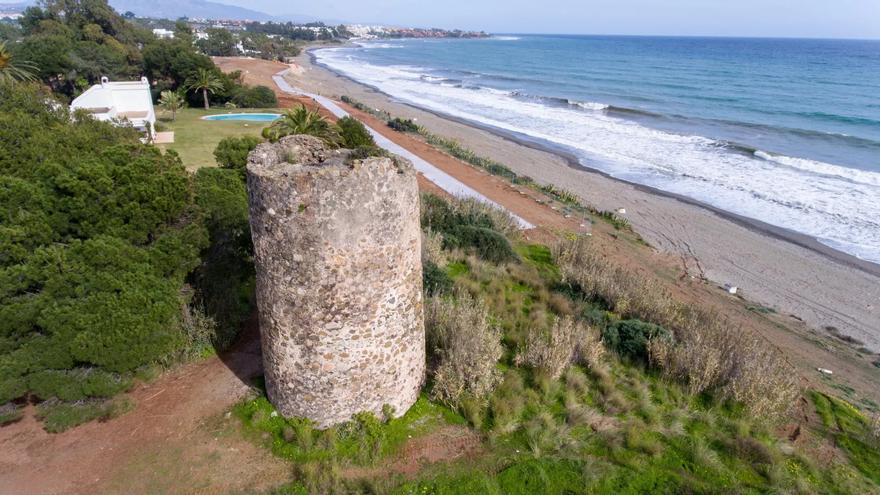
(783, 270)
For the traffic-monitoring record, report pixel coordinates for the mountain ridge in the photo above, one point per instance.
(174, 9)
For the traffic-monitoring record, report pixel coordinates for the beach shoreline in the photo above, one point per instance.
(791, 273)
(803, 240)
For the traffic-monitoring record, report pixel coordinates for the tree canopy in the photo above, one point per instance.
(98, 233)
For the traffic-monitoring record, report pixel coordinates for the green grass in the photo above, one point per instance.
(362, 441)
(851, 431)
(195, 139)
(611, 426)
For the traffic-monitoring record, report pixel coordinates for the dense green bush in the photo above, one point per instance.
(403, 125)
(630, 337)
(467, 227)
(435, 279)
(232, 152)
(255, 97)
(353, 134)
(224, 282)
(98, 234)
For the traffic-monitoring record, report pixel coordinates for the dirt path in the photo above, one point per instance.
(176, 440)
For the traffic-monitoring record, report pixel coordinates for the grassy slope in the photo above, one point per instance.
(195, 139)
(616, 428)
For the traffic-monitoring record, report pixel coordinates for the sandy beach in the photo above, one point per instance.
(792, 274)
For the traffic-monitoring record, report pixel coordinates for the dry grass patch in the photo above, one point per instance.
(709, 352)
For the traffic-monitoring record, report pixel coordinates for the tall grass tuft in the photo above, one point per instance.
(567, 341)
(464, 346)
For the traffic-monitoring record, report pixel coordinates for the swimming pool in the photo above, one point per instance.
(252, 117)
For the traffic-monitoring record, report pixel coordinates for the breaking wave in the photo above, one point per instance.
(837, 205)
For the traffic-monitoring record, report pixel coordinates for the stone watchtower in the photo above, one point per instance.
(339, 280)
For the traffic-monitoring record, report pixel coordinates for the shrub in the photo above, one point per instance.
(255, 97)
(469, 224)
(232, 152)
(353, 134)
(489, 244)
(464, 346)
(60, 416)
(630, 337)
(76, 384)
(12, 388)
(10, 413)
(224, 282)
(435, 279)
(403, 125)
(98, 235)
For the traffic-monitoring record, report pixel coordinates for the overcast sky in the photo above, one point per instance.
(786, 18)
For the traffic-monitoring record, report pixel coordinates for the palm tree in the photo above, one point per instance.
(171, 101)
(302, 121)
(205, 81)
(11, 70)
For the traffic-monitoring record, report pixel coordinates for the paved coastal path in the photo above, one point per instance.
(443, 180)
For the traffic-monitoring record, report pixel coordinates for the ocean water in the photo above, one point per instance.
(782, 131)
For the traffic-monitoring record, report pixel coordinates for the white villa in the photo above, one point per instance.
(128, 102)
(163, 34)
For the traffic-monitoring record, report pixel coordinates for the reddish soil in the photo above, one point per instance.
(176, 440)
(447, 444)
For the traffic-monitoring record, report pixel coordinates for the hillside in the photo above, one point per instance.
(172, 9)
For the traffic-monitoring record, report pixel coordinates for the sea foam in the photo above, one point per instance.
(836, 205)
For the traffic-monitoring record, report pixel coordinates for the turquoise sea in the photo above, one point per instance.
(780, 130)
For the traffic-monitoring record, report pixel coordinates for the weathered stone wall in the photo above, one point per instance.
(339, 280)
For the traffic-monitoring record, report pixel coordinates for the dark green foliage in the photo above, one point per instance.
(76, 42)
(170, 62)
(489, 244)
(224, 282)
(403, 125)
(435, 279)
(232, 152)
(76, 384)
(353, 134)
(630, 337)
(12, 388)
(98, 233)
(466, 228)
(270, 48)
(220, 43)
(255, 97)
(60, 416)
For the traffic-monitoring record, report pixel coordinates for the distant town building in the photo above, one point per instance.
(163, 34)
(122, 103)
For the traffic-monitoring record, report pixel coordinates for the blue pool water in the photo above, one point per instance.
(783, 131)
(252, 117)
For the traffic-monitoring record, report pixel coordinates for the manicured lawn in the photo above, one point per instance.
(195, 139)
